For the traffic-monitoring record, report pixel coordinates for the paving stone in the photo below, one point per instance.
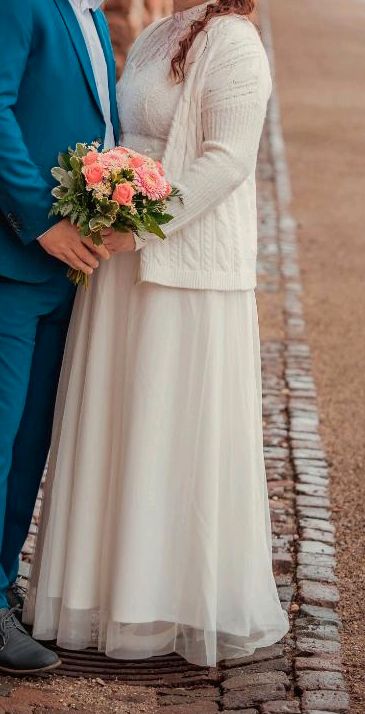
(304, 436)
(283, 542)
(286, 593)
(320, 614)
(316, 559)
(310, 645)
(322, 513)
(262, 653)
(311, 489)
(304, 468)
(319, 632)
(283, 707)
(317, 535)
(302, 443)
(316, 711)
(317, 454)
(283, 579)
(325, 700)
(241, 711)
(248, 679)
(320, 680)
(316, 572)
(314, 593)
(283, 563)
(251, 696)
(197, 708)
(282, 664)
(315, 501)
(317, 524)
(325, 663)
(312, 479)
(312, 546)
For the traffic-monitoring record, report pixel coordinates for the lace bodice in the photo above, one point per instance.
(147, 95)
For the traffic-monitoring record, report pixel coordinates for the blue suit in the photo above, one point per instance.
(48, 101)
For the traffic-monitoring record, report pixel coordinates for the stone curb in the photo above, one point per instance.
(318, 670)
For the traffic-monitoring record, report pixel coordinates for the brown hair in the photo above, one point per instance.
(214, 9)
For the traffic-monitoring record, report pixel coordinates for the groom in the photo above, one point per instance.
(57, 87)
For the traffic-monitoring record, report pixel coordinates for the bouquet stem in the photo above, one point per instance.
(78, 277)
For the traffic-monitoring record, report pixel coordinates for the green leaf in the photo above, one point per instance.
(59, 192)
(61, 175)
(76, 164)
(152, 226)
(100, 222)
(66, 209)
(162, 218)
(81, 150)
(64, 160)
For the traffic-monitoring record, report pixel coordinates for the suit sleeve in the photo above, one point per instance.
(25, 198)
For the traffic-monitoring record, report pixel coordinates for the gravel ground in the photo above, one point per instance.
(60, 695)
(322, 96)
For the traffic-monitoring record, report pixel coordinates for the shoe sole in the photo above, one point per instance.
(49, 668)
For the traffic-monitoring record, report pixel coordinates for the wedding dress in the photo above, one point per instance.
(155, 533)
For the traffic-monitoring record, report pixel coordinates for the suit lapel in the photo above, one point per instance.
(100, 24)
(78, 42)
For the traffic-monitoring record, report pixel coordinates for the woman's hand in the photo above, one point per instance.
(116, 242)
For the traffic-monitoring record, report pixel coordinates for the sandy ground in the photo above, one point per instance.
(320, 58)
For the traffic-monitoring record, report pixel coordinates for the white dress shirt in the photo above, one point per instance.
(82, 9)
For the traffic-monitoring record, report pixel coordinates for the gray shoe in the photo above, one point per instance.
(19, 653)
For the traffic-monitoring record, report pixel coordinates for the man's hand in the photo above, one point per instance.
(117, 242)
(64, 242)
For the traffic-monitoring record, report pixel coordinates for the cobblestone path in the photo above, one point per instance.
(303, 673)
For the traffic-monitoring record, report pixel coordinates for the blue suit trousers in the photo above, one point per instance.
(33, 325)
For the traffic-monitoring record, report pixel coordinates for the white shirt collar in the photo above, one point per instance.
(85, 5)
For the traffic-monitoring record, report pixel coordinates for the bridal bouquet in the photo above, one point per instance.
(116, 188)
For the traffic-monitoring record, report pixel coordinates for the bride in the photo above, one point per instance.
(155, 534)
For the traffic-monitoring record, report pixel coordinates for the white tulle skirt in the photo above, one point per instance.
(155, 533)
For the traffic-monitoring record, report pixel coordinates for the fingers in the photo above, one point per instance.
(99, 250)
(85, 255)
(119, 242)
(75, 262)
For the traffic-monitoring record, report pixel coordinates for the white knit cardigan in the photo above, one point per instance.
(211, 156)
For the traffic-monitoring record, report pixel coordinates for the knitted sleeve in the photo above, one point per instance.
(234, 100)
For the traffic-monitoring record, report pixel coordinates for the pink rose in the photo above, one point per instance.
(93, 174)
(123, 194)
(90, 158)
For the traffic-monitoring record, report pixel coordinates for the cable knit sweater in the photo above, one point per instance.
(211, 151)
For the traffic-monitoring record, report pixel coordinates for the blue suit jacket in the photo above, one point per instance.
(48, 102)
